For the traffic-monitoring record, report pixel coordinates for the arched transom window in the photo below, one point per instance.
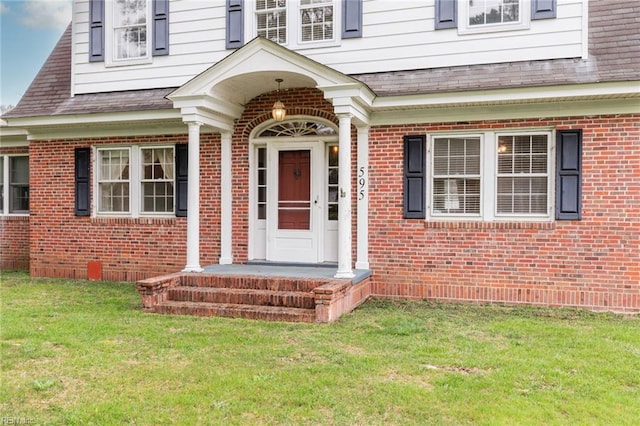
(296, 128)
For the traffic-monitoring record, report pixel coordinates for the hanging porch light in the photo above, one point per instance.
(278, 112)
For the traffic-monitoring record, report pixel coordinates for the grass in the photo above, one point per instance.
(77, 352)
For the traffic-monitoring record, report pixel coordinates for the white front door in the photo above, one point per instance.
(294, 202)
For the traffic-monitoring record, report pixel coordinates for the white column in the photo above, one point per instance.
(362, 257)
(193, 200)
(344, 198)
(226, 198)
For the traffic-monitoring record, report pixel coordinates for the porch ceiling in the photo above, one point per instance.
(240, 89)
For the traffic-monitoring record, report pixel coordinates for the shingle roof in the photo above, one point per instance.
(50, 92)
(614, 55)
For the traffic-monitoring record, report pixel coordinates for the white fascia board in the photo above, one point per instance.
(506, 111)
(101, 118)
(117, 130)
(515, 95)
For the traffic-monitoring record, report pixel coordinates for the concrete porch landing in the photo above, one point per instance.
(268, 291)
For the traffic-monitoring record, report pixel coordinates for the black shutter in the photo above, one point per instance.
(568, 174)
(351, 18)
(414, 177)
(82, 170)
(543, 9)
(96, 30)
(182, 172)
(235, 24)
(160, 27)
(446, 14)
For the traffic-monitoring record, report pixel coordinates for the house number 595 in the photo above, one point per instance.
(361, 181)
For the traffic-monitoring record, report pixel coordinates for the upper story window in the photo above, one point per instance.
(135, 180)
(493, 15)
(481, 16)
(130, 22)
(316, 20)
(127, 38)
(483, 12)
(14, 184)
(296, 22)
(126, 32)
(271, 20)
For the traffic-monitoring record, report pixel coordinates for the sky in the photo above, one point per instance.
(29, 29)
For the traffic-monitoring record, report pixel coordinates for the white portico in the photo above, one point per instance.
(300, 181)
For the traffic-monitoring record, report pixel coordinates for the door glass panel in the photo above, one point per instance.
(332, 182)
(294, 190)
(262, 183)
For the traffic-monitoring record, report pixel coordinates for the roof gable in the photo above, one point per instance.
(252, 70)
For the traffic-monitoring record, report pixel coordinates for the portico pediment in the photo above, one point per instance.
(225, 88)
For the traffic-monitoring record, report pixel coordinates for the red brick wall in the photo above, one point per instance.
(14, 232)
(128, 249)
(593, 263)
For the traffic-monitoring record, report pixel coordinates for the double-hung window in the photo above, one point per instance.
(135, 181)
(456, 175)
(130, 29)
(522, 174)
(129, 39)
(14, 184)
(490, 176)
(157, 180)
(296, 23)
(113, 180)
(493, 15)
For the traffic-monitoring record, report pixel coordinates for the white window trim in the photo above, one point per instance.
(135, 183)
(4, 209)
(294, 34)
(522, 24)
(489, 178)
(109, 58)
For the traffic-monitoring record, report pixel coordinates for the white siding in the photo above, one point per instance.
(398, 35)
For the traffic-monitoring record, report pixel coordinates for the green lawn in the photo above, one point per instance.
(77, 352)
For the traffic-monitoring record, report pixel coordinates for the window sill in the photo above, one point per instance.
(489, 225)
(14, 217)
(102, 220)
(114, 63)
(492, 28)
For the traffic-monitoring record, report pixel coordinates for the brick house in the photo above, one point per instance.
(481, 151)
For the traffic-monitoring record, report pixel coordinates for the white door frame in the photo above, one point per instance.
(295, 245)
(260, 231)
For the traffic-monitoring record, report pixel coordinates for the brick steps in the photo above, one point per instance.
(253, 297)
(241, 296)
(267, 313)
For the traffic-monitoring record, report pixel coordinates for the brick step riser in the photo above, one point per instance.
(257, 283)
(293, 299)
(214, 311)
